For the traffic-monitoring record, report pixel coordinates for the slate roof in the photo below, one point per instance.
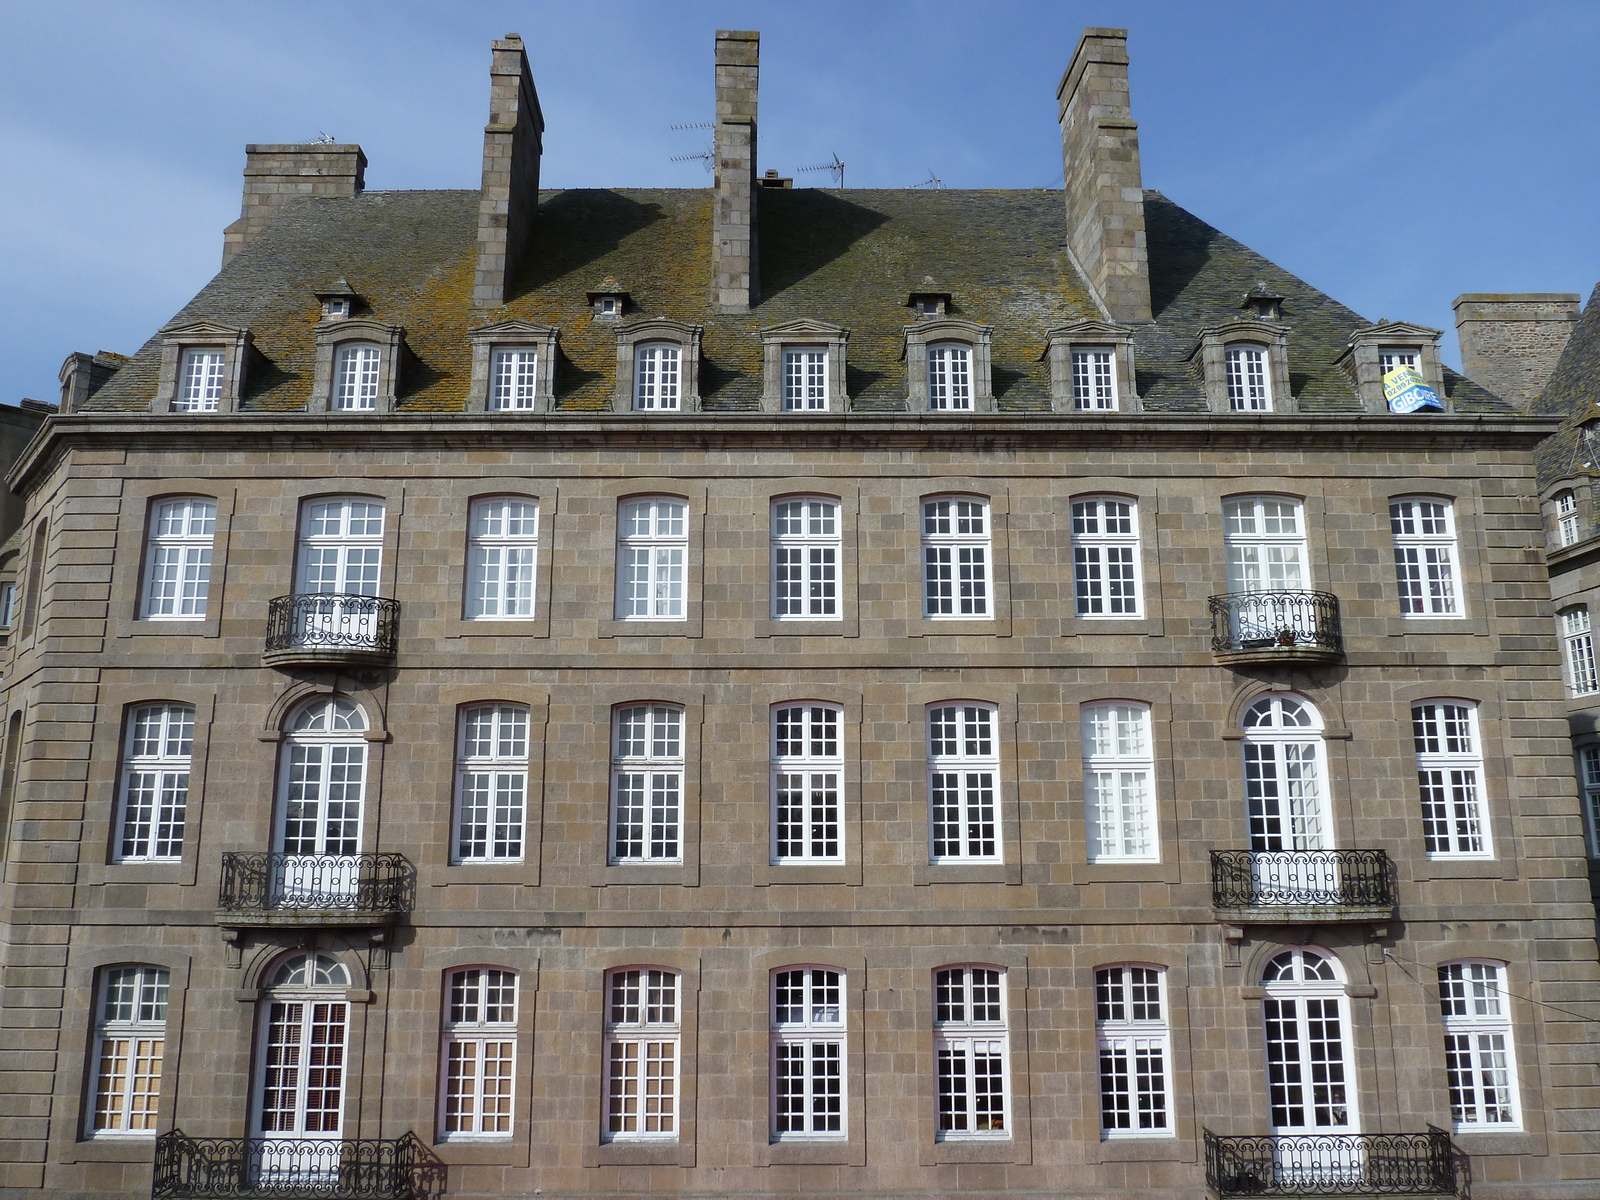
(850, 257)
(1572, 392)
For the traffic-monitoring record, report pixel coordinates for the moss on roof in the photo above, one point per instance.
(849, 257)
(1572, 393)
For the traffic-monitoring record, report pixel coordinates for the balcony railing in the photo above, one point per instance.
(189, 1168)
(1351, 1164)
(1249, 626)
(331, 627)
(1288, 882)
(328, 889)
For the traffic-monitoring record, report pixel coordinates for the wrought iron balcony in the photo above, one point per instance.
(189, 1168)
(1273, 626)
(330, 627)
(1350, 1164)
(1299, 885)
(314, 889)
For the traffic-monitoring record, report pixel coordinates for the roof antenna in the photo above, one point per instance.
(325, 139)
(707, 156)
(836, 166)
(932, 181)
(702, 125)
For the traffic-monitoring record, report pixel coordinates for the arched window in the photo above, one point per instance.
(949, 377)
(491, 783)
(807, 1053)
(153, 797)
(477, 1078)
(1566, 517)
(1284, 775)
(807, 770)
(322, 781)
(643, 1028)
(657, 378)
(300, 1070)
(355, 378)
(1131, 1027)
(1309, 1064)
(971, 1049)
(1480, 1059)
(1249, 381)
(130, 1044)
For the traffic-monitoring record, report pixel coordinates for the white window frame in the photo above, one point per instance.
(1247, 367)
(357, 377)
(1450, 779)
(178, 551)
(346, 531)
(1480, 1049)
(1108, 576)
(513, 379)
(643, 1029)
(1577, 644)
(130, 1036)
(153, 784)
(964, 800)
(658, 377)
(1119, 794)
(647, 759)
(807, 780)
(491, 784)
(1589, 782)
(652, 559)
(202, 379)
(1134, 1039)
(808, 1063)
(970, 1029)
(957, 553)
(1094, 379)
(1286, 776)
(950, 385)
(1427, 561)
(322, 792)
(1323, 985)
(805, 379)
(319, 986)
(503, 558)
(806, 552)
(1391, 357)
(478, 1055)
(1567, 529)
(1265, 541)
(8, 605)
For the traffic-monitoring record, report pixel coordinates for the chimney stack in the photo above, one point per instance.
(273, 174)
(735, 254)
(1510, 343)
(513, 140)
(1100, 159)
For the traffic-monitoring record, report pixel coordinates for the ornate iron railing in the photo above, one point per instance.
(332, 621)
(1276, 620)
(1352, 1164)
(1301, 879)
(189, 1168)
(359, 884)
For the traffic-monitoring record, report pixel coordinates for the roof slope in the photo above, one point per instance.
(849, 257)
(1572, 392)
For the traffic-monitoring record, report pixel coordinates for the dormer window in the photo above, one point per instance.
(1262, 303)
(1376, 350)
(1566, 517)
(929, 304)
(608, 306)
(949, 377)
(609, 301)
(515, 380)
(1244, 366)
(338, 301)
(1249, 385)
(360, 362)
(203, 366)
(657, 385)
(1391, 358)
(805, 379)
(1091, 368)
(658, 367)
(357, 378)
(336, 307)
(201, 378)
(804, 367)
(947, 366)
(513, 367)
(1094, 379)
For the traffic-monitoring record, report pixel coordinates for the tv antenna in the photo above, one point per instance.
(702, 125)
(932, 181)
(836, 166)
(325, 139)
(706, 156)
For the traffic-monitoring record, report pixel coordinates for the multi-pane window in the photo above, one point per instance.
(177, 576)
(1425, 559)
(642, 1035)
(503, 557)
(807, 1053)
(1309, 1067)
(970, 1047)
(355, 378)
(305, 1022)
(646, 783)
(1266, 544)
(200, 377)
(1567, 517)
(955, 557)
(478, 1074)
(805, 559)
(1450, 777)
(652, 556)
(963, 774)
(1392, 358)
(513, 379)
(807, 773)
(1286, 800)
(949, 377)
(1135, 1052)
(1249, 388)
(1577, 639)
(321, 803)
(657, 376)
(492, 783)
(805, 379)
(130, 1041)
(1105, 557)
(1589, 777)
(341, 547)
(154, 794)
(8, 605)
(1094, 379)
(1118, 783)
(1478, 1052)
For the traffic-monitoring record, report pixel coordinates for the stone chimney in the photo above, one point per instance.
(513, 140)
(273, 174)
(1510, 342)
(735, 253)
(1100, 158)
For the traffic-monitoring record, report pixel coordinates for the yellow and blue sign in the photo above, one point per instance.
(1406, 391)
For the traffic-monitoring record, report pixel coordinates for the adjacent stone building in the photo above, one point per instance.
(769, 691)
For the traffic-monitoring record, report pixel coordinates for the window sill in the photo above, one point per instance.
(1466, 626)
(780, 874)
(960, 627)
(536, 626)
(1004, 873)
(117, 1147)
(1145, 626)
(519, 873)
(665, 874)
(639, 1154)
(843, 627)
(1164, 1147)
(664, 627)
(972, 1150)
(1463, 868)
(819, 1152)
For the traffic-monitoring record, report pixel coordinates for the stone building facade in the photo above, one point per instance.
(765, 691)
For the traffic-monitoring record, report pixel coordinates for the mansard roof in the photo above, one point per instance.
(843, 256)
(1572, 393)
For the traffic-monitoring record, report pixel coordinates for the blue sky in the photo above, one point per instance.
(1392, 154)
